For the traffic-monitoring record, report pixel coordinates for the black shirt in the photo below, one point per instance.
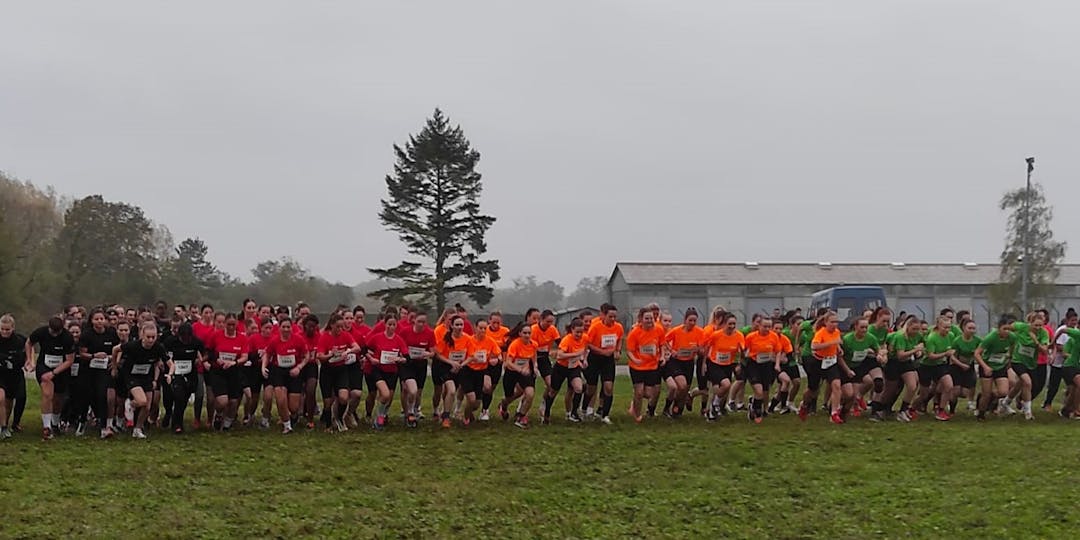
(95, 343)
(12, 352)
(52, 346)
(138, 361)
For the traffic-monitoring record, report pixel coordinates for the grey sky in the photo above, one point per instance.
(609, 130)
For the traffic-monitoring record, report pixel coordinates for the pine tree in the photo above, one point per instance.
(1045, 253)
(433, 205)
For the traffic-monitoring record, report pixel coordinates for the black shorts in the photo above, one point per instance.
(716, 373)
(440, 372)
(895, 368)
(7, 382)
(792, 370)
(310, 371)
(678, 368)
(762, 374)
(415, 370)
(226, 382)
(963, 378)
(279, 378)
(742, 372)
(862, 371)
(812, 366)
(391, 379)
(146, 382)
(471, 381)
(356, 376)
(832, 373)
(561, 373)
(601, 368)
(333, 378)
(543, 364)
(1020, 369)
(495, 374)
(251, 377)
(648, 377)
(60, 381)
(701, 369)
(370, 379)
(929, 375)
(1068, 374)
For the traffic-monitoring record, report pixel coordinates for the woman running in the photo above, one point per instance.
(827, 348)
(250, 315)
(497, 332)
(451, 353)
(546, 336)
(185, 352)
(141, 363)
(520, 377)
(117, 403)
(605, 341)
(934, 377)
(765, 352)
(310, 333)
(789, 375)
(252, 375)
(203, 329)
(724, 345)
(386, 351)
(742, 370)
(860, 350)
(355, 327)
(993, 358)
(1057, 362)
(962, 364)
(230, 349)
(716, 322)
(907, 350)
(12, 359)
(473, 380)
(1032, 339)
(569, 357)
(96, 349)
(335, 348)
(685, 342)
(420, 340)
(284, 361)
(645, 346)
(56, 354)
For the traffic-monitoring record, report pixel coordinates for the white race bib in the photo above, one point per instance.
(521, 362)
(685, 354)
(75, 369)
(648, 349)
(723, 358)
(859, 356)
(998, 358)
(53, 361)
(1025, 351)
(828, 362)
(480, 357)
(140, 369)
(335, 357)
(99, 363)
(765, 358)
(286, 360)
(350, 359)
(227, 356)
(417, 353)
(457, 356)
(183, 367)
(608, 340)
(387, 357)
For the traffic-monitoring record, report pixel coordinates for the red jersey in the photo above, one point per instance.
(468, 327)
(383, 348)
(228, 348)
(256, 347)
(336, 345)
(289, 353)
(417, 342)
(359, 333)
(311, 341)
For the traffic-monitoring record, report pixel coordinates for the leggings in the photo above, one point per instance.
(166, 398)
(1053, 386)
(78, 400)
(97, 393)
(19, 395)
(182, 387)
(200, 393)
(1038, 379)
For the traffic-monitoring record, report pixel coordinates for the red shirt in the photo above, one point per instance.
(329, 343)
(295, 348)
(424, 339)
(379, 343)
(228, 348)
(468, 327)
(256, 347)
(359, 333)
(203, 332)
(311, 341)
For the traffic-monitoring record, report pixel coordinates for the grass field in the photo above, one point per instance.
(1002, 479)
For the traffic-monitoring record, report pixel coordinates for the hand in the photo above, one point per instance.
(294, 372)
(525, 371)
(48, 376)
(168, 378)
(850, 374)
(265, 373)
(28, 367)
(987, 373)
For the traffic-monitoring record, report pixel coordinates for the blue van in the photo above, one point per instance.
(848, 302)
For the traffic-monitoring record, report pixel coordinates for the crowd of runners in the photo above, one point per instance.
(114, 370)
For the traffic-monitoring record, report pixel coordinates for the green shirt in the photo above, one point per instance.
(1072, 351)
(901, 342)
(880, 333)
(996, 349)
(806, 336)
(965, 350)
(792, 359)
(1027, 349)
(936, 344)
(856, 350)
(955, 331)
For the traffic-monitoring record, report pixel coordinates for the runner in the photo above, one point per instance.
(452, 352)
(716, 322)
(1058, 361)
(355, 327)
(934, 376)
(473, 380)
(497, 332)
(764, 351)
(96, 347)
(56, 354)
(569, 357)
(310, 332)
(386, 351)
(141, 362)
(12, 358)
(645, 347)
(335, 348)
(420, 340)
(907, 349)
(230, 350)
(605, 341)
(203, 329)
(685, 343)
(993, 358)
(519, 379)
(185, 352)
(546, 336)
(962, 365)
(827, 348)
(284, 361)
(251, 374)
(724, 347)
(742, 370)
(860, 350)
(1032, 339)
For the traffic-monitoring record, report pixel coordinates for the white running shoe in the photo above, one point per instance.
(1028, 415)
(264, 423)
(589, 412)
(971, 405)
(903, 416)
(484, 416)
(138, 434)
(605, 420)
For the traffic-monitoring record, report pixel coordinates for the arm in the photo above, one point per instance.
(982, 364)
(29, 364)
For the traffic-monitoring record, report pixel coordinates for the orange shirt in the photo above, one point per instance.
(545, 339)
(521, 353)
(498, 335)
(570, 344)
(461, 351)
(685, 344)
(763, 349)
(785, 344)
(604, 336)
(484, 351)
(646, 346)
(440, 332)
(825, 336)
(724, 349)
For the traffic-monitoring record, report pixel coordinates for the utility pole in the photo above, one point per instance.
(1026, 240)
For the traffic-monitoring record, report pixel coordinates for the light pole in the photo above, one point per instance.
(1026, 240)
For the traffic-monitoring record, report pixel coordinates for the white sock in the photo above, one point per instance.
(227, 422)
(46, 420)
(288, 424)
(1027, 406)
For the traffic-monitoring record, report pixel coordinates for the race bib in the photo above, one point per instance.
(335, 357)
(572, 362)
(52, 360)
(521, 362)
(765, 358)
(480, 357)
(140, 369)
(350, 359)
(75, 369)
(1025, 351)
(387, 357)
(723, 358)
(828, 362)
(183, 367)
(457, 356)
(227, 356)
(286, 360)
(859, 356)
(997, 358)
(685, 353)
(648, 350)
(608, 340)
(417, 353)
(99, 363)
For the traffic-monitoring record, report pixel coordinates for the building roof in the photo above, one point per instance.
(658, 273)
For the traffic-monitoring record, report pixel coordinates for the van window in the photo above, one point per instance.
(844, 307)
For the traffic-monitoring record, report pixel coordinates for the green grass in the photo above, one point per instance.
(1001, 479)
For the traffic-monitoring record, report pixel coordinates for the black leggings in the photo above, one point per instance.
(19, 395)
(166, 398)
(1052, 386)
(78, 400)
(97, 392)
(182, 388)
(1038, 379)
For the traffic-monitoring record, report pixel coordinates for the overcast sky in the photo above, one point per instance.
(612, 130)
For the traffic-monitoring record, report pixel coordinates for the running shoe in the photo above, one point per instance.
(137, 434)
(410, 421)
(574, 418)
(196, 424)
(803, 413)
(505, 414)
(606, 420)
(5, 434)
(861, 402)
(81, 429)
(46, 434)
(1028, 415)
(264, 423)
(446, 422)
(285, 430)
(484, 416)
(835, 418)
(522, 422)
(903, 416)
(178, 431)
(106, 433)
(942, 415)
